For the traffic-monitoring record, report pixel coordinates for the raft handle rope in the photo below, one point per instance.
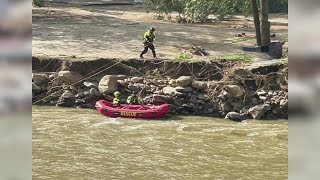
(78, 81)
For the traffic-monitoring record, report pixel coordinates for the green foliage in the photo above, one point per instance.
(199, 10)
(183, 55)
(278, 6)
(245, 58)
(38, 3)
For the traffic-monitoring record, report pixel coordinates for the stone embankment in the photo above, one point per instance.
(239, 92)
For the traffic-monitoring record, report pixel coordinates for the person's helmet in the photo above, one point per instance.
(152, 29)
(117, 94)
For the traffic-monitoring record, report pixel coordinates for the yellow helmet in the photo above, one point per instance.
(117, 94)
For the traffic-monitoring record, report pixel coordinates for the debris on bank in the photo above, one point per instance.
(253, 93)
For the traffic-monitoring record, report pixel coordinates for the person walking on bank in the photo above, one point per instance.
(148, 39)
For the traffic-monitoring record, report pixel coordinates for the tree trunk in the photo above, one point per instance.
(256, 21)
(265, 24)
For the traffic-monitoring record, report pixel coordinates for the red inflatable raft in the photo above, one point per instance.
(132, 111)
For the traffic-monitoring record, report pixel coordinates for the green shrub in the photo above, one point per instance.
(183, 55)
(38, 3)
(199, 10)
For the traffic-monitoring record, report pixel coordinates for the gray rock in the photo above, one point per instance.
(57, 82)
(48, 87)
(177, 102)
(172, 82)
(90, 84)
(44, 87)
(255, 101)
(80, 94)
(79, 101)
(210, 110)
(161, 82)
(169, 91)
(225, 95)
(70, 77)
(236, 105)
(155, 82)
(94, 92)
(225, 107)
(67, 95)
(39, 79)
(122, 83)
(184, 81)
(193, 99)
(263, 97)
(73, 88)
(202, 97)
(259, 111)
(235, 90)
(184, 89)
(108, 84)
(66, 99)
(86, 93)
(121, 77)
(284, 103)
(199, 84)
(56, 94)
(35, 88)
(135, 88)
(137, 79)
(234, 116)
(200, 102)
(155, 98)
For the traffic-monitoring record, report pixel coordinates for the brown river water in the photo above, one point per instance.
(82, 144)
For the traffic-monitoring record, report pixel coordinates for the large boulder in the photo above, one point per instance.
(235, 91)
(158, 99)
(184, 81)
(259, 111)
(39, 78)
(235, 116)
(36, 88)
(199, 84)
(108, 84)
(70, 77)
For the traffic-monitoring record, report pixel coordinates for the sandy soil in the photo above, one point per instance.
(89, 32)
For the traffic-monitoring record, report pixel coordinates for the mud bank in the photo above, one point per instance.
(197, 88)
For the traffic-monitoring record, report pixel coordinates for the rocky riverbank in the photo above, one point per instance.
(259, 92)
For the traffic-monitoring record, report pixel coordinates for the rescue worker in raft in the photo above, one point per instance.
(116, 99)
(148, 39)
(134, 99)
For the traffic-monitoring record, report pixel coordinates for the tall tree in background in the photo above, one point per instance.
(256, 20)
(265, 24)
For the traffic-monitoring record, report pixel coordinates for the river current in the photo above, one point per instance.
(83, 144)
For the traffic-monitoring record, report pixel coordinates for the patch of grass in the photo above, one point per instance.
(245, 58)
(183, 56)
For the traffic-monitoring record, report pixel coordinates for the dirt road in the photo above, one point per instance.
(89, 32)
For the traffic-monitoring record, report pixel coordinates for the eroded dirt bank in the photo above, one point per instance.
(199, 88)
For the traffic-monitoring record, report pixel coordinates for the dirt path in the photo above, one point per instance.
(90, 32)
